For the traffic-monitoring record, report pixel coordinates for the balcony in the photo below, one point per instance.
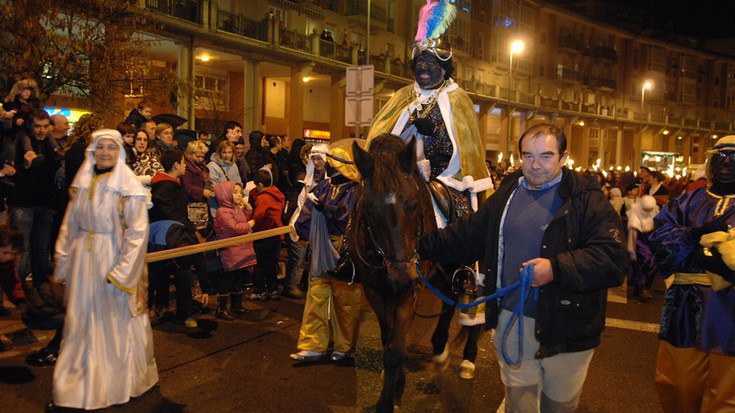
(568, 75)
(237, 24)
(604, 53)
(603, 83)
(356, 14)
(569, 43)
(292, 39)
(189, 10)
(333, 51)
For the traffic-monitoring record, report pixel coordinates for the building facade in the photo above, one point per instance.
(280, 66)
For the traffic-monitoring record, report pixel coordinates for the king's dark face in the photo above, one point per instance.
(428, 73)
(722, 168)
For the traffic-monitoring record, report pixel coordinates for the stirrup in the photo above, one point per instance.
(344, 271)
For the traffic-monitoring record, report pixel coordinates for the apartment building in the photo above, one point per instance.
(280, 66)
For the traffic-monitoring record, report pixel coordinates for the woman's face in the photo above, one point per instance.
(226, 155)
(106, 153)
(141, 141)
(197, 156)
(167, 136)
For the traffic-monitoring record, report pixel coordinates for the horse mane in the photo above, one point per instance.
(388, 172)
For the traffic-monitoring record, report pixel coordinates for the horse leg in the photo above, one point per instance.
(467, 368)
(441, 336)
(393, 329)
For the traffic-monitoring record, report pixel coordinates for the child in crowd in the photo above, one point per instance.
(233, 219)
(41, 308)
(20, 102)
(268, 204)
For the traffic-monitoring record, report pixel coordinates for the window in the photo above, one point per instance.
(211, 91)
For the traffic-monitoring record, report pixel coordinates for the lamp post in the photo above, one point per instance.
(516, 47)
(647, 85)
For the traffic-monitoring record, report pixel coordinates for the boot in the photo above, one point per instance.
(236, 307)
(344, 271)
(222, 312)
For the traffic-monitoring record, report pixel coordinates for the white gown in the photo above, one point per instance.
(107, 351)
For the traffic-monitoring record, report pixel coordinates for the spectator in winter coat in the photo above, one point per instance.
(233, 219)
(255, 154)
(268, 204)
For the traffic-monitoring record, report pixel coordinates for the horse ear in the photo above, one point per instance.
(364, 162)
(407, 156)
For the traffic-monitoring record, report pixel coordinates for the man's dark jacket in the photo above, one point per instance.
(34, 185)
(583, 243)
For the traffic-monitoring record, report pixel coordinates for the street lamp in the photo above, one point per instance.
(647, 85)
(516, 47)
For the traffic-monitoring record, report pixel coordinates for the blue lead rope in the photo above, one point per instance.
(524, 284)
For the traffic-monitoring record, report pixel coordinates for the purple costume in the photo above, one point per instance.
(693, 315)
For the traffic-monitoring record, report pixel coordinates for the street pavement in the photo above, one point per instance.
(244, 366)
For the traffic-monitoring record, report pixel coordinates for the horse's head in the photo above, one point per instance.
(395, 209)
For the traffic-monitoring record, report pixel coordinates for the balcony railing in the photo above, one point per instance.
(237, 24)
(295, 40)
(603, 52)
(190, 10)
(568, 74)
(569, 42)
(602, 82)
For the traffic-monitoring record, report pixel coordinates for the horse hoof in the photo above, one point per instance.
(467, 370)
(442, 360)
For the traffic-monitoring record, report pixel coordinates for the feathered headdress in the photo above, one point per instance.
(434, 19)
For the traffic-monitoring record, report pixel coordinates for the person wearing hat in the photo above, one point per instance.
(643, 268)
(106, 356)
(440, 115)
(695, 371)
(332, 308)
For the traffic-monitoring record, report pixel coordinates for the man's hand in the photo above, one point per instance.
(542, 271)
(8, 170)
(29, 157)
(10, 114)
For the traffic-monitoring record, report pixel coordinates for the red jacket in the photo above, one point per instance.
(268, 207)
(232, 221)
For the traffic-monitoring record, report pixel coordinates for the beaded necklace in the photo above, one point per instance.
(421, 104)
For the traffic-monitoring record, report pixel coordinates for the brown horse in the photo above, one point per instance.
(393, 211)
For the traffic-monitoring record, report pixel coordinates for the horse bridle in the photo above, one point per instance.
(388, 262)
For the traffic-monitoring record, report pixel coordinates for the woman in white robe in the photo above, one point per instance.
(106, 354)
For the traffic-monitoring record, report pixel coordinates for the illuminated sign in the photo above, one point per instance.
(72, 115)
(316, 134)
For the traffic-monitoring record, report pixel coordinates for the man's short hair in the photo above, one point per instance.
(11, 236)
(274, 140)
(38, 114)
(645, 168)
(256, 134)
(263, 177)
(169, 157)
(232, 125)
(541, 129)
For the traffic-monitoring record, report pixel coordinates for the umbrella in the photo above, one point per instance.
(170, 118)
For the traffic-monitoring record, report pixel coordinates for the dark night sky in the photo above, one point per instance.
(700, 18)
